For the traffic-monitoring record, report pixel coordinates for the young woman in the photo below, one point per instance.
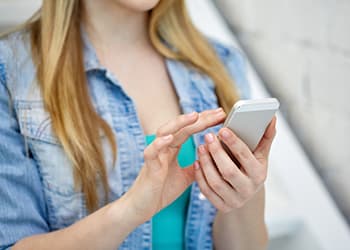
(102, 104)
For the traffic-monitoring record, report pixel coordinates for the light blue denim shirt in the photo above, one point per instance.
(37, 193)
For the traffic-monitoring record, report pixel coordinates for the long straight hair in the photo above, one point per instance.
(57, 52)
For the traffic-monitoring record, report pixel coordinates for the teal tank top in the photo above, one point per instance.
(168, 225)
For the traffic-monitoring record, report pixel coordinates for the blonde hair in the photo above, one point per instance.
(57, 52)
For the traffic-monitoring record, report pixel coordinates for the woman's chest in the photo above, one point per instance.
(152, 91)
(155, 101)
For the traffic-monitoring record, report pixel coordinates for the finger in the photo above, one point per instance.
(206, 119)
(263, 149)
(153, 151)
(216, 200)
(239, 150)
(227, 168)
(214, 179)
(175, 125)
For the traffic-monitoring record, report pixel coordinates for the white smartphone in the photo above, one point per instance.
(249, 119)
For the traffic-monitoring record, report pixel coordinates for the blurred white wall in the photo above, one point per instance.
(13, 12)
(301, 48)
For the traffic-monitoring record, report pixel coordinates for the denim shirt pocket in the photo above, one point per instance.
(64, 203)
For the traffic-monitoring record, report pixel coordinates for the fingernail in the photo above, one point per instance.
(196, 165)
(220, 113)
(218, 110)
(191, 114)
(201, 149)
(167, 137)
(209, 137)
(225, 133)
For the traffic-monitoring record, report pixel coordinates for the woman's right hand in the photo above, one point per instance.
(161, 179)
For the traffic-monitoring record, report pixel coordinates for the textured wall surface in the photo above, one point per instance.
(13, 12)
(301, 48)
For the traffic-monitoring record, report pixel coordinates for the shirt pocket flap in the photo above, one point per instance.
(35, 121)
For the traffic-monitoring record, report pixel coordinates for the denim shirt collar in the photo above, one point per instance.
(180, 74)
(90, 58)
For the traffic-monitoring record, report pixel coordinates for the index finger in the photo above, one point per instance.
(182, 131)
(175, 125)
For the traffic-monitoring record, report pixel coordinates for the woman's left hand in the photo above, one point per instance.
(225, 184)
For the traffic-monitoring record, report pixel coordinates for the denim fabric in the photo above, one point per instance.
(37, 193)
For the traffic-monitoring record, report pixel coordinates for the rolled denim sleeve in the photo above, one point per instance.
(22, 204)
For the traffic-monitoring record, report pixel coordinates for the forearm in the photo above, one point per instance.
(242, 228)
(103, 229)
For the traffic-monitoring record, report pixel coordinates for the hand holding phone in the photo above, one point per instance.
(229, 185)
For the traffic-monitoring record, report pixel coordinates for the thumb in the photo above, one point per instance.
(264, 146)
(189, 174)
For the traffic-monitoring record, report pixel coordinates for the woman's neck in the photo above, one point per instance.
(113, 26)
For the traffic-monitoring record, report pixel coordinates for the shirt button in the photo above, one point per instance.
(201, 196)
